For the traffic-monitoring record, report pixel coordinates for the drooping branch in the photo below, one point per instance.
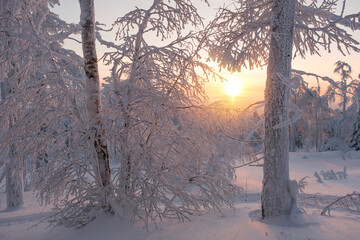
(350, 202)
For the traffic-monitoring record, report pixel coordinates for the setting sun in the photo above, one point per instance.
(232, 87)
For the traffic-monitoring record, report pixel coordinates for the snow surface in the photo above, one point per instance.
(242, 224)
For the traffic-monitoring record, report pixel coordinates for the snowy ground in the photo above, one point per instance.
(242, 224)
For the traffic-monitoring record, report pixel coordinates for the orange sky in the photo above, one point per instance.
(253, 82)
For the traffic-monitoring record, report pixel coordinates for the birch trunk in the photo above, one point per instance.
(276, 196)
(92, 87)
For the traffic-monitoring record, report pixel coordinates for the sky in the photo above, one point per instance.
(252, 82)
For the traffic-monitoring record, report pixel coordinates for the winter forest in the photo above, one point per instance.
(179, 119)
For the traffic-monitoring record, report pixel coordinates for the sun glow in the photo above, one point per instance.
(232, 87)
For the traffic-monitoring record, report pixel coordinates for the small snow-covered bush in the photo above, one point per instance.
(331, 175)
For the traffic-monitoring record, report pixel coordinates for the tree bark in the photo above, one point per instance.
(14, 183)
(92, 87)
(276, 196)
(14, 167)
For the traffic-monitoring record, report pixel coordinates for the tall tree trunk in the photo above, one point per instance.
(276, 196)
(2, 91)
(344, 96)
(14, 181)
(14, 167)
(92, 87)
(317, 126)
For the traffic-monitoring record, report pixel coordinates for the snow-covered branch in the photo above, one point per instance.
(350, 202)
(240, 33)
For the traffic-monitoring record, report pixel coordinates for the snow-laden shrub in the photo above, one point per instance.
(330, 175)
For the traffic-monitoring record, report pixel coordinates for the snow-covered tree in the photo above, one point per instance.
(336, 134)
(342, 87)
(310, 131)
(276, 196)
(355, 135)
(93, 104)
(170, 165)
(256, 33)
(14, 165)
(14, 29)
(41, 82)
(171, 160)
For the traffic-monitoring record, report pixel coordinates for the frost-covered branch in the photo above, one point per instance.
(349, 202)
(240, 33)
(169, 152)
(44, 96)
